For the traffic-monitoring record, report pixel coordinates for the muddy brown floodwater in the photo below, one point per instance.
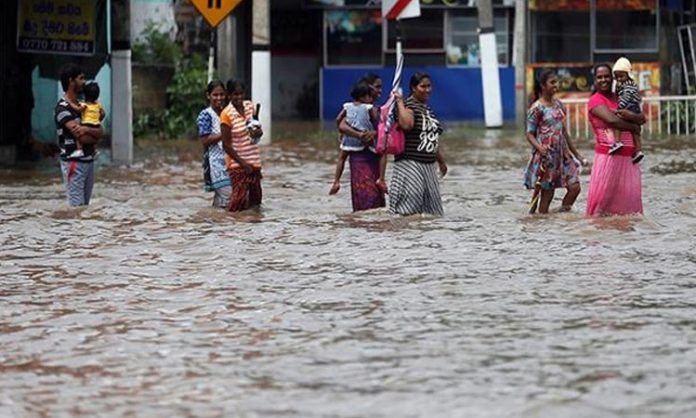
(149, 303)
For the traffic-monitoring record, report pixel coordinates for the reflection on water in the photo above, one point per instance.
(151, 303)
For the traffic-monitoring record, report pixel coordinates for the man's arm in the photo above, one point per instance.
(87, 135)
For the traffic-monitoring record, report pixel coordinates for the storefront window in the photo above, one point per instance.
(560, 36)
(353, 37)
(463, 40)
(424, 34)
(626, 25)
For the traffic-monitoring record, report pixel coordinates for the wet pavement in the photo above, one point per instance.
(151, 303)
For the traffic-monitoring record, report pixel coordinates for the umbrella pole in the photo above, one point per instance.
(399, 57)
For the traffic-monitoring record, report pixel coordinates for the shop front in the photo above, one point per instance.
(571, 36)
(443, 41)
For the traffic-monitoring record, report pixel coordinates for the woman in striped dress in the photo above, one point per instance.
(239, 140)
(414, 187)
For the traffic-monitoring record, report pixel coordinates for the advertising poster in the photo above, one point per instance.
(424, 3)
(56, 26)
(354, 37)
(575, 5)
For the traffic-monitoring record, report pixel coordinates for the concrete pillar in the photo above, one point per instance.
(121, 91)
(490, 78)
(261, 63)
(519, 60)
(227, 51)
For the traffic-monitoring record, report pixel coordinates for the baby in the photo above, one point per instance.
(92, 113)
(360, 114)
(629, 99)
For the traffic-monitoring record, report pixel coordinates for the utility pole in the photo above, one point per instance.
(261, 64)
(227, 51)
(490, 77)
(121, 92)
(520, 61)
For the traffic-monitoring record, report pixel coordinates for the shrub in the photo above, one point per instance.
(156, 47)
(185, 94)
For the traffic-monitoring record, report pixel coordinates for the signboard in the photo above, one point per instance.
(584, 5)
(56, 26)
(214, 11)
(400, 9)
(353, 37)
(460, 4)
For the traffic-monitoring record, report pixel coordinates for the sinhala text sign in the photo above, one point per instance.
(56, 26)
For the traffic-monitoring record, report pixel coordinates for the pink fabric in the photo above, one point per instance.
(615, 182)
(393, 142)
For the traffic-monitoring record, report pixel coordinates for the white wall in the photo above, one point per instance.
(159, 11)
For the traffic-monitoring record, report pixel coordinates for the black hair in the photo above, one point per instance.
(541, 80)
(360, 89)
(91, 91)
(214, 84)
(594, 73)
(69, 71)
(370, 78)
(416, 79)
(234, 85)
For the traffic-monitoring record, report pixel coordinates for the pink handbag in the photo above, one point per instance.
(392, 142)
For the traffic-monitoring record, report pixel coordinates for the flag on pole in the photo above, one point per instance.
(400, 9)
(396, 86)
(397, 9)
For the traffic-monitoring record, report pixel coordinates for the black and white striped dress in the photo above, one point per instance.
(414, 187)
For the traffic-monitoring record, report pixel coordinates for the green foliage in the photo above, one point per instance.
(185, 93)
(155, 47)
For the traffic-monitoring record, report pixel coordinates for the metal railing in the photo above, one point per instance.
(670, 115)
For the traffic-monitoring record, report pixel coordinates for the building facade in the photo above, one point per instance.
(320, 47)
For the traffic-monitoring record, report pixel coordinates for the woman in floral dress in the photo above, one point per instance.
(554, 160)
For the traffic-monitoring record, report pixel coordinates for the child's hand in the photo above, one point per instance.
(543, 150)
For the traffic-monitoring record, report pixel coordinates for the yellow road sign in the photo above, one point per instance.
(215, 10)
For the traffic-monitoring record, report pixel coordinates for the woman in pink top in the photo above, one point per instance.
(615, 184)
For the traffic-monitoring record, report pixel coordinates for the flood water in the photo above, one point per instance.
(149, 303)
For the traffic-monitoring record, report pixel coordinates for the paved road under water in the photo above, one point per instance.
(148, 303)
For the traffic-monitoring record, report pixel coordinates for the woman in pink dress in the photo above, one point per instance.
(615, 184)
